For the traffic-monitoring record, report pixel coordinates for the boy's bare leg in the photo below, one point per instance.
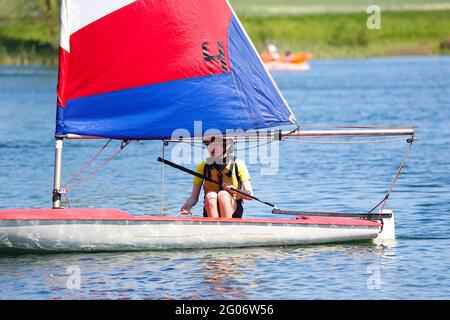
(211, 204)
(227, 204)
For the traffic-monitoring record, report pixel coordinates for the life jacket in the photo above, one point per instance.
(228, 175)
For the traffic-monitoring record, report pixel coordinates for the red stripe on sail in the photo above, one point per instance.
(63, 75)
(147, 42)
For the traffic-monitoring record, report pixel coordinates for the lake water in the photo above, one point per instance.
(387, 91)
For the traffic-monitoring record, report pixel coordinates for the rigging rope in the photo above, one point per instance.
(67, 199)
(96, 169)
(259, 144)
(87, 165)
(399, 170)
(164, 144)
(200, 145)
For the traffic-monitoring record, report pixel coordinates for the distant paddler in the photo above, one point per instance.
(270, 54)
(219, 199)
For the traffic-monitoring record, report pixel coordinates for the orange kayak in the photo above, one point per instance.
(295, 58)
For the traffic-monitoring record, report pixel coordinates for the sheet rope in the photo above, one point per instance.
(72, 183)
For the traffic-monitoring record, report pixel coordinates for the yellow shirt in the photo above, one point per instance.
(242, 172)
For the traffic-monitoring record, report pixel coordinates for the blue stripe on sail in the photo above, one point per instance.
(262, 102)
(244, 98)
(155, 111)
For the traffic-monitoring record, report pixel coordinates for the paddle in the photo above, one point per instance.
(176, 166)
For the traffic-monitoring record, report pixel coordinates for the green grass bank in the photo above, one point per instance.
(30, 36)
(345, 35)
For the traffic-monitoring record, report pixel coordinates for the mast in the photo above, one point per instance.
(56, 198)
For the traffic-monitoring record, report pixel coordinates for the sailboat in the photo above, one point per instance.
(140, 69)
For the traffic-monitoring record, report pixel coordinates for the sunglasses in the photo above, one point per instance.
(207, 142)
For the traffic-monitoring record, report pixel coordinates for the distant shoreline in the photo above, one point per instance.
(11, 69)
(325, 35)
(302, 10)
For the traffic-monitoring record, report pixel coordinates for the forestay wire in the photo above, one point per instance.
(161, 210)
(383, 202)
(87, 164)
(71, 183)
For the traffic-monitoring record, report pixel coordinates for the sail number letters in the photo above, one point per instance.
(220, 56)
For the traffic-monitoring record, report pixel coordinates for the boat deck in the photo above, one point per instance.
(99, 214)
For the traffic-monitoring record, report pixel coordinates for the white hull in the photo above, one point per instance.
(118, 236)
(75, 230)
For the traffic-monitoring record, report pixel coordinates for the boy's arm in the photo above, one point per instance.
(192, 200)
(247, 187)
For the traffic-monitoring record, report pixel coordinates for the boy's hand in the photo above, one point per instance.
(230, 189)
(185, 209)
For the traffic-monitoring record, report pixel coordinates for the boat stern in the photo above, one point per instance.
(387, 233)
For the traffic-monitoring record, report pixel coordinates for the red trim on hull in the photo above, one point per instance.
(65, 214)
(116, 214)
